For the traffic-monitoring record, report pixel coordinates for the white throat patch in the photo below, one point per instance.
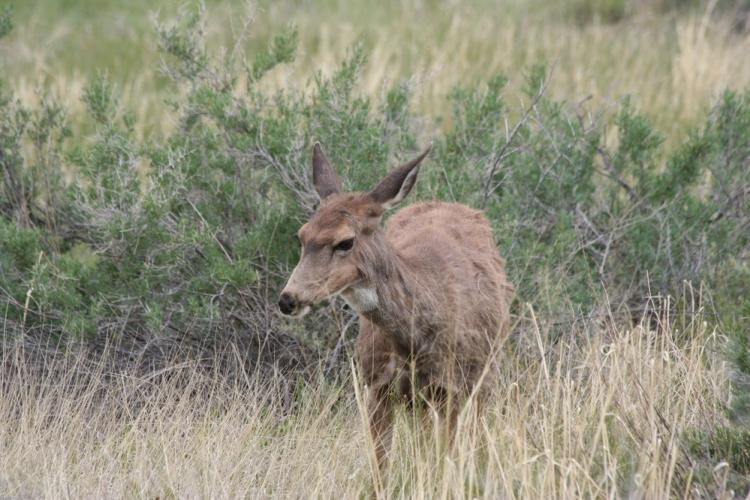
(361, 298)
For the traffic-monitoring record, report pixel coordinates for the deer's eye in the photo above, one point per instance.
(344, 245)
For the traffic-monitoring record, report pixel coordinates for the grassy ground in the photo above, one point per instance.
(673, 63)
(599, 414)
(607, 410)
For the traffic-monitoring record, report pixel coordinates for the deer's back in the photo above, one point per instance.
(447, 234)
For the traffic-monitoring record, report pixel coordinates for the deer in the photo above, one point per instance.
(429, 288)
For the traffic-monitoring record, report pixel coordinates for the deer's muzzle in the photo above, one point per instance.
(287, 304)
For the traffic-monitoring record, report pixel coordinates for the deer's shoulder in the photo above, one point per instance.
(449, 219)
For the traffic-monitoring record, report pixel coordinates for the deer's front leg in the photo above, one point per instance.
(379, 367)
(380, 414)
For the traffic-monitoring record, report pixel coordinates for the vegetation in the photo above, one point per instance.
(673, 56)
(140, 262)
(561, 426)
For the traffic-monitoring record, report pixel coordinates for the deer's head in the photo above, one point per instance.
(337, 234)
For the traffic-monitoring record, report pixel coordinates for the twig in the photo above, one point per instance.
(339, 344)
(213, 234)
(731, 201)
(501, 155)
(612, 174)
(28, 295)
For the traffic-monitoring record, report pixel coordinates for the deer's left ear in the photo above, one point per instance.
(325, 180)
(397, 184)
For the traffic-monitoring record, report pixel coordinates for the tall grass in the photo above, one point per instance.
(674, 63)
(600, 413)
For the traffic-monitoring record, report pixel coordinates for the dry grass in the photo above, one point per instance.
(600, 414)
(673, 65)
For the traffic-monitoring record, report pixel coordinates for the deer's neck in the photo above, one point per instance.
(387, 294)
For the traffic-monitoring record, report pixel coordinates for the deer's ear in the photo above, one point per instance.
(397, 184)
(325, 180)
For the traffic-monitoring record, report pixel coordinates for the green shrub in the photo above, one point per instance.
(185, 240)
(6, 22)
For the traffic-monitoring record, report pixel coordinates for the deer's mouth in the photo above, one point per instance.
(289, 305)
(296, 304)
(297, 312)
(301, 311)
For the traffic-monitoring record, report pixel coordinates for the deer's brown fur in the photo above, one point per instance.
(430, 289)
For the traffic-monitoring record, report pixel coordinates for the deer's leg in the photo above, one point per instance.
(380, 413)
(446, 406)
(379, 367)
(450, 417)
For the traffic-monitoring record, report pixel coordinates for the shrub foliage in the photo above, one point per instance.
(184, 241)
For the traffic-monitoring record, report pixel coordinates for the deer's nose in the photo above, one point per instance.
(287, 304)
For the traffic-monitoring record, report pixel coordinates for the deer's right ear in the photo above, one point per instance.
(325, 180)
